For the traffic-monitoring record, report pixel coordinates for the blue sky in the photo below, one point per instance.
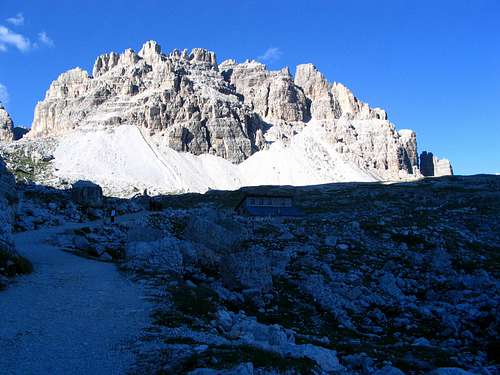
(433, 65)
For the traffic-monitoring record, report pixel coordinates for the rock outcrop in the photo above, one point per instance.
(323, 104)
(87, 194)
(410, 156)
(272, 95)
(6, 126)
(7, 196)
(11, 263)
(20, 132)
(193, 104)
(182, 96)
(432, 166)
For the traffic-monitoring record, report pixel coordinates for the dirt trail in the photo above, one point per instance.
(71, 316)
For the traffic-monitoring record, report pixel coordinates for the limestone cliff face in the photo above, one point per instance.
(409, 142)
(432, 166)
(323, 104)
(361, 133)
(6, 126)
(272, 95)
(231, 110)
(181, 96)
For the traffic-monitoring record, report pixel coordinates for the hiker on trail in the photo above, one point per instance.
(113, 215)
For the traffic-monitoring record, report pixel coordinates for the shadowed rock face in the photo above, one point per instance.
(7, 184)
(8, 197)
(20, 132)
(230, 110)
(432, 166)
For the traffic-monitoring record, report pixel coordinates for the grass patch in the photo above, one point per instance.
(200, 302)
(14, 264)
(170, 318)
(227, 356)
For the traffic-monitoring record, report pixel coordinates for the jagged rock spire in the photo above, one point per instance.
(230, 110)
(6, 125)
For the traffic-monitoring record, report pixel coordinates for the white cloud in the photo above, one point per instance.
(4, 94)
(8, 37)
(44, 39)
(272, 54)
(17, 20)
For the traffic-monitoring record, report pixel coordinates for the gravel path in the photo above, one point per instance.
(71, 316)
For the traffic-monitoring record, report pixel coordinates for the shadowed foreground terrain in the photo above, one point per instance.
(373, 278)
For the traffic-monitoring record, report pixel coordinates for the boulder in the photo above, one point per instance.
(248, 269)
(87, 194)
(165, 255)
(247, 331)
(81, 243)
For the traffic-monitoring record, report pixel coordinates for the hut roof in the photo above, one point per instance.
(260, 195)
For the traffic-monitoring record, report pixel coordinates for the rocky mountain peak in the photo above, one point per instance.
(311, 79)
(231, 110)
(317, 90)
(151, 52)
(6, 125)
(201, 55)
(432, 166)
(271, 94)
(352, 107)
(151, 47)
(128, 57)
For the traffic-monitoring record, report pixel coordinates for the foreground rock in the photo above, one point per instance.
(375, 279)
(11, 263)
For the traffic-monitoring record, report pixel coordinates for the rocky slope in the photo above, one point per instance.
(373, 279)
(187, 102)
(11, 263)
